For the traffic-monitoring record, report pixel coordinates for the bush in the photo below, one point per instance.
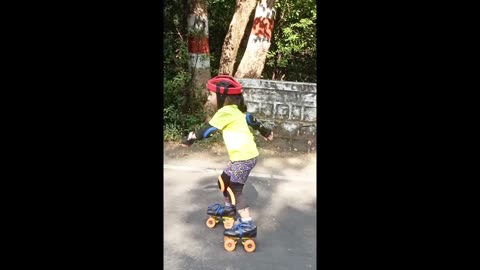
(182, 107)
(182, 110)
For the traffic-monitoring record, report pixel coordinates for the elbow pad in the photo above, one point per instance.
(257, 125)
(206, 131)
(252, 121)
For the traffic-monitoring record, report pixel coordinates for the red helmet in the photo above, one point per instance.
(219, 83)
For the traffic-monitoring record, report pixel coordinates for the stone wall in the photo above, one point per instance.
(290, 108)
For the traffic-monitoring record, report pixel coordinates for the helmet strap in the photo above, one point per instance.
(221, 97)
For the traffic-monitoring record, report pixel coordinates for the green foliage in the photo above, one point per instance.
(182, 111)
(293, 53)
(182, 107)
(196, 32)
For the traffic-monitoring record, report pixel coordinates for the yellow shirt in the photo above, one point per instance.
(237, 136)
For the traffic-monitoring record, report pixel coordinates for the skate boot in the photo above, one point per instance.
(218, 212)
(245, 231)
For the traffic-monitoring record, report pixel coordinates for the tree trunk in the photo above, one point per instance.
(234, 36)
(198, 47)
(253, 60)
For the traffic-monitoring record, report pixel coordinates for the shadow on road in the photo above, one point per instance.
(284, 211)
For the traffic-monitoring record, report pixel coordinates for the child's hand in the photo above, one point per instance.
(270, 137)
(188, 139)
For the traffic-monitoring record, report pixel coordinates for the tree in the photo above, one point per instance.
(198, 46)
(292, 54)
(181, 110)
(239, 22)
(253, 60)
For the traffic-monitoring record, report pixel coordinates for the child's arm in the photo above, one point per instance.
(204, 132)
(257, 125)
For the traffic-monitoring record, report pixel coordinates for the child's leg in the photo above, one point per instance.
(244, 213)
(228, 201)
(238, 174)
(244, 227)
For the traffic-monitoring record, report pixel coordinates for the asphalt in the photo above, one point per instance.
(282, 203)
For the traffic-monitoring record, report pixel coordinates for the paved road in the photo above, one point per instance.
(283, 209)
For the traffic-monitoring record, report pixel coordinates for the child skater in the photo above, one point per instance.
(232, 119)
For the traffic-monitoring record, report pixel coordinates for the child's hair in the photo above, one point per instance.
(236, 100)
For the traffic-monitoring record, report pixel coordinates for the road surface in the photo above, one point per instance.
(282, 198)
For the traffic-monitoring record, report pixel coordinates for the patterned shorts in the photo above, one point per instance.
(239, 170)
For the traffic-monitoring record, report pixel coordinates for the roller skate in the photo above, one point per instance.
(245, 231)
(218, 212)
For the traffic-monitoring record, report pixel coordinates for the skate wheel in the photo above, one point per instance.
(210, 222)
(249, 245)
(229, 244)
(228, 224)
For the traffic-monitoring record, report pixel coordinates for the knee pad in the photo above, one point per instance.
(224, 186)
(223, 181)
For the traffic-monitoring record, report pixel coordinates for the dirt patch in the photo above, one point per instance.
(271, 149)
